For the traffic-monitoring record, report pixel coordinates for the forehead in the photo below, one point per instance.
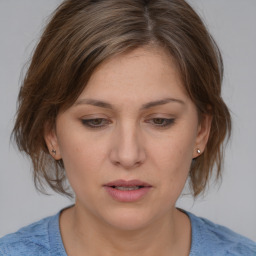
(144, 73)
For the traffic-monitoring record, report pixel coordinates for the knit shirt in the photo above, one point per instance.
(43, 238)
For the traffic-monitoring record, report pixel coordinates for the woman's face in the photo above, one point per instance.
(128, 141)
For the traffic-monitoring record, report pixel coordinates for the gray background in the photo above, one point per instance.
(232, 23)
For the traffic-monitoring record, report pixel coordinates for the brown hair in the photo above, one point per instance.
(84, 33)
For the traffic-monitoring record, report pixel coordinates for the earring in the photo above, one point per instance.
(198, 151)
(54, 151)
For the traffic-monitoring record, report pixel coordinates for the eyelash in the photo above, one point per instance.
(168, 122)
(88, 122)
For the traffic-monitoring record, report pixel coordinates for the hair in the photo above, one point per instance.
(84, 33)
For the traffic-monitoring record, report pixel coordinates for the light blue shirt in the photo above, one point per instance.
(43, 238)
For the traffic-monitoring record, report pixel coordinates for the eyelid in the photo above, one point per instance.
(168, 122)
(103, 122)
(87, 121)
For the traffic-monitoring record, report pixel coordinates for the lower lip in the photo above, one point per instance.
(127, 195)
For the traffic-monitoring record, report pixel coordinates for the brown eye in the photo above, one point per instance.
(159, 121)
(162, 122)
(95, 123)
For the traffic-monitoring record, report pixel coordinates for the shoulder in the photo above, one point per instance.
(30, 240)
(209, 238)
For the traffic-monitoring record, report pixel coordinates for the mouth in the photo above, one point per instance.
(127, 191)
(127, 188)
(127, 185)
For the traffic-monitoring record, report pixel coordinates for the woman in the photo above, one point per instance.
(123, 98)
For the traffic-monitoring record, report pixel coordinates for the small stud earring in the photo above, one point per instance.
(198, 151)
(54, 151)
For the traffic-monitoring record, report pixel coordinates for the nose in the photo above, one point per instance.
(127, 149)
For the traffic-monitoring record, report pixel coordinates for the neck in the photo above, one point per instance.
(83, 233)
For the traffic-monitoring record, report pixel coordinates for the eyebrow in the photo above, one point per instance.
(103, 104)
(161, 102)
(97, 103)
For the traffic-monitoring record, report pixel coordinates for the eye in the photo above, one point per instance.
(161, 122)
(95, 122)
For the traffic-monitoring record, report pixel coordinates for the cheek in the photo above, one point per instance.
(82, 168)
(81, 158)
(173, 157)
(174, 150)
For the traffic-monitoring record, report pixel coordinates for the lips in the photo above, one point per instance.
(129, 183)
(127, 191)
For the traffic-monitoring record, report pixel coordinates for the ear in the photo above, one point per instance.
(203, 133)
(51, 141)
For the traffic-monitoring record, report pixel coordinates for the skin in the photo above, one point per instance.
(130, 143)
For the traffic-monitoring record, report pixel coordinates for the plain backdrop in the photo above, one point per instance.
(233, 203)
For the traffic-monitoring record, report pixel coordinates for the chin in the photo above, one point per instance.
(129, 219)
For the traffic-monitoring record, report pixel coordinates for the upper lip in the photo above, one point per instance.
(127, 183)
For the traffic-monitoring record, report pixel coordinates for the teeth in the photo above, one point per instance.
(127, 188)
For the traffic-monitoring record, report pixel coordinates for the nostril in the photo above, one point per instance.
(127, 157)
